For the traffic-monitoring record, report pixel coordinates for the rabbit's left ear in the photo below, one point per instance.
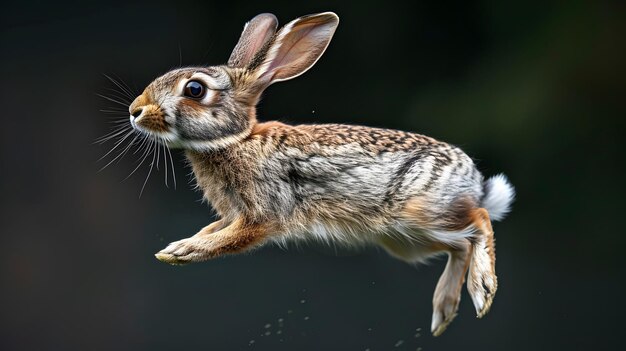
(296, 47)
(256, 34)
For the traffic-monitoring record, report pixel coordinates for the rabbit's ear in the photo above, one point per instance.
(296, 47)
(256, 34)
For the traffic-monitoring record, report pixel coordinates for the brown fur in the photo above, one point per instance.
(209, 242)
(152, 119)
(192, 107)
(374, 139)
(139, 102)
(480, 219)
(261, 129)
(483, 282)
(459, 216)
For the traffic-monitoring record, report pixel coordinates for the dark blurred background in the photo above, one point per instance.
(532, 89)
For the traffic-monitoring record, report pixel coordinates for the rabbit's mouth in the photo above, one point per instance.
(159, 131)
(150, 118)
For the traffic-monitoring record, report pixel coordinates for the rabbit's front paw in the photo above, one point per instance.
(184, 251)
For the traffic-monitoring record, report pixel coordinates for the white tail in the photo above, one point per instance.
(499, 194)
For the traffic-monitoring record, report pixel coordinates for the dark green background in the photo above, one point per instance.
(534, 90)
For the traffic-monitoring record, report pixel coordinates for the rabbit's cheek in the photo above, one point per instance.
(169, 108)
(188, 108)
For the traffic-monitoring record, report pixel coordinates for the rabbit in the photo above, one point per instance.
(271, 182)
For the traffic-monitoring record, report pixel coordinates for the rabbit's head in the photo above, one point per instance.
(206, 108)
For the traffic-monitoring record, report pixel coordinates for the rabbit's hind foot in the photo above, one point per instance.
(482, 282)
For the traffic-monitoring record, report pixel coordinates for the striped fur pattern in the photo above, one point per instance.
(339, 184)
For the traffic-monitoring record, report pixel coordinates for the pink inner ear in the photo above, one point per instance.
(255, 43)
(292, 47)
(300, 47)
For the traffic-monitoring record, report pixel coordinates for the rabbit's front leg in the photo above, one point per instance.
(209, 243)
(213, 227)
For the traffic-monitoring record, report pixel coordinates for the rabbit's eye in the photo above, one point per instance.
(194, 89)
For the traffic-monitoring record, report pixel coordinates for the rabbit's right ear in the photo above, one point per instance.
(256, 34)
(295, 48)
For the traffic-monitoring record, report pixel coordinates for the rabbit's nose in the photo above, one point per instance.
(137, 112)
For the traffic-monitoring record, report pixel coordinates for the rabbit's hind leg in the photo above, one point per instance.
(448, 291)
(448, 229)
(482, 282)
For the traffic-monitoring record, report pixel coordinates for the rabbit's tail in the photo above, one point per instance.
(499, 194)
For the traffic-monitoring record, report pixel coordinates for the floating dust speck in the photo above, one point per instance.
(289, 311)
(307, 318)
(418, 329)
(367, 349)
(399, 343)
(313, 111)
(418, 349)
(268, 325)
(279, 332)
(417, 335)
(268, 333)
(369, 329)
(251, 342)
(373, 283)
(303, 301)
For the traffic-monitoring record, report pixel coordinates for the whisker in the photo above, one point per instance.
(146, 153)
(115, 133)
(158, 157)
(132, 142)
(119, 112)
(112, 100)
(115, 130)
(150, 171)
(119, 157)
(119, 94)
(118, 121)
(120, 126)
(143, 141)
(165, 163)
(126, 87)
(172, 164)
(125, 90)
(115, 108)
(117, 144)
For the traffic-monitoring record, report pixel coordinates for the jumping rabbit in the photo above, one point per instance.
(272, 182)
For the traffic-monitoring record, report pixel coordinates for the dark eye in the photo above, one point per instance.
(194, 89)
